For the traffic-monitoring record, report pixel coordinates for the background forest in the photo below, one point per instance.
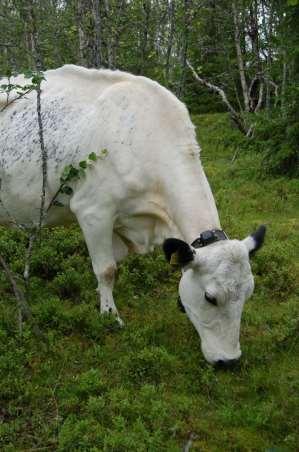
(73, 380)
(244, 55)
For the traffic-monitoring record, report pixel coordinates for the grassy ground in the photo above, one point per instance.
(146, 387)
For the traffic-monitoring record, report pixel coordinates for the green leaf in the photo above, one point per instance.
(65, 174)
(92, 156)
(293, 2)
(28, 74)
(37, 78)
(103, 153)
(74, 173)
(81, 172)
(83, 164)
(69, 173)
(67, 190)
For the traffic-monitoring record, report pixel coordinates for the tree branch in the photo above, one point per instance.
(24, 309)
(260, 99)
(16, 98)
(234, 114)
(7, 45)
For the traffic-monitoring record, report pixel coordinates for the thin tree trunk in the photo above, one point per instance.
(268, 91)
(81, 33)
(31, 35)
(98, 34)
(237, 95)
(24, 309)
(146, 5)
(284, 83)
(108, 39)
(255, 103)
(184, 52)
(267, 30)
(276, 90)
(171, 13)
(119, 29)
(254, 34)
(44, 159)
(260, 98)
(240, 57)
(26, 273)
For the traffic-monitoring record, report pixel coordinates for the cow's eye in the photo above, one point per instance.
(211, 300)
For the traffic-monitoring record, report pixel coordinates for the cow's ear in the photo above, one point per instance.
(178, 252)
(255, 241)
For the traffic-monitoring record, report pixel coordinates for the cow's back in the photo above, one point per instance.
(144, 128)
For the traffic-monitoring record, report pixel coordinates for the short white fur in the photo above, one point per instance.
(150, 186)
(221, 270)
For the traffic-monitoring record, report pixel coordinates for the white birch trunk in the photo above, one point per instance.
(240, 57)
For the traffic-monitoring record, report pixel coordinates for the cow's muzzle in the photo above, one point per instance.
(226, 364)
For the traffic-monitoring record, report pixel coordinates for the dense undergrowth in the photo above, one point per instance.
(93, 386)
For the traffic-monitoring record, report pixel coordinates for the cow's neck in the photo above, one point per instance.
(193, 205)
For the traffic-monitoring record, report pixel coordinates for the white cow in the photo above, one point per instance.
(150, 186)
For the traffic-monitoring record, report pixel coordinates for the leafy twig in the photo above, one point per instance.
(72, 173)
(16, 98)
(44, 153)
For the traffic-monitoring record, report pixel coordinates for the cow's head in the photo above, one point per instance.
(216, 281)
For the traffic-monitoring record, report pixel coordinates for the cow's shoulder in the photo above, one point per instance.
(96, 81)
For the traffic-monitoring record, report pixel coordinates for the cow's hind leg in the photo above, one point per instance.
(98, 234)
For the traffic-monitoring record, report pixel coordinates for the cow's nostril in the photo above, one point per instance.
(226, 364)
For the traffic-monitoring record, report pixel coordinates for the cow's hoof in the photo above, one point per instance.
(113, 315)
(120, 321)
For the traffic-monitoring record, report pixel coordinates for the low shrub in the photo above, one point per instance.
(149, 365)
(274, 272)
(276, 136)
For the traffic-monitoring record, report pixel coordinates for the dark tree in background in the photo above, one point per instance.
(247, 49)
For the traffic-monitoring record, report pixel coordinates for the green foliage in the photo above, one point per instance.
(149, 365)
(73, 173)
(277, 138)
(145, 387)
(21, 90)
(159, 38)
(273, 272)
(274, 142)
(138, 275)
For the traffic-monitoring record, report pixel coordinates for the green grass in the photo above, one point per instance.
(146, 387)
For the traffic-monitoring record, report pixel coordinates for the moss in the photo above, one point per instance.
(146, 387)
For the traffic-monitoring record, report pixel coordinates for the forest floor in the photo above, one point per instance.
(92, 386)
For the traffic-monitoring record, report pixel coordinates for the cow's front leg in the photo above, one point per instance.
(105, 290)
(98, 233)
